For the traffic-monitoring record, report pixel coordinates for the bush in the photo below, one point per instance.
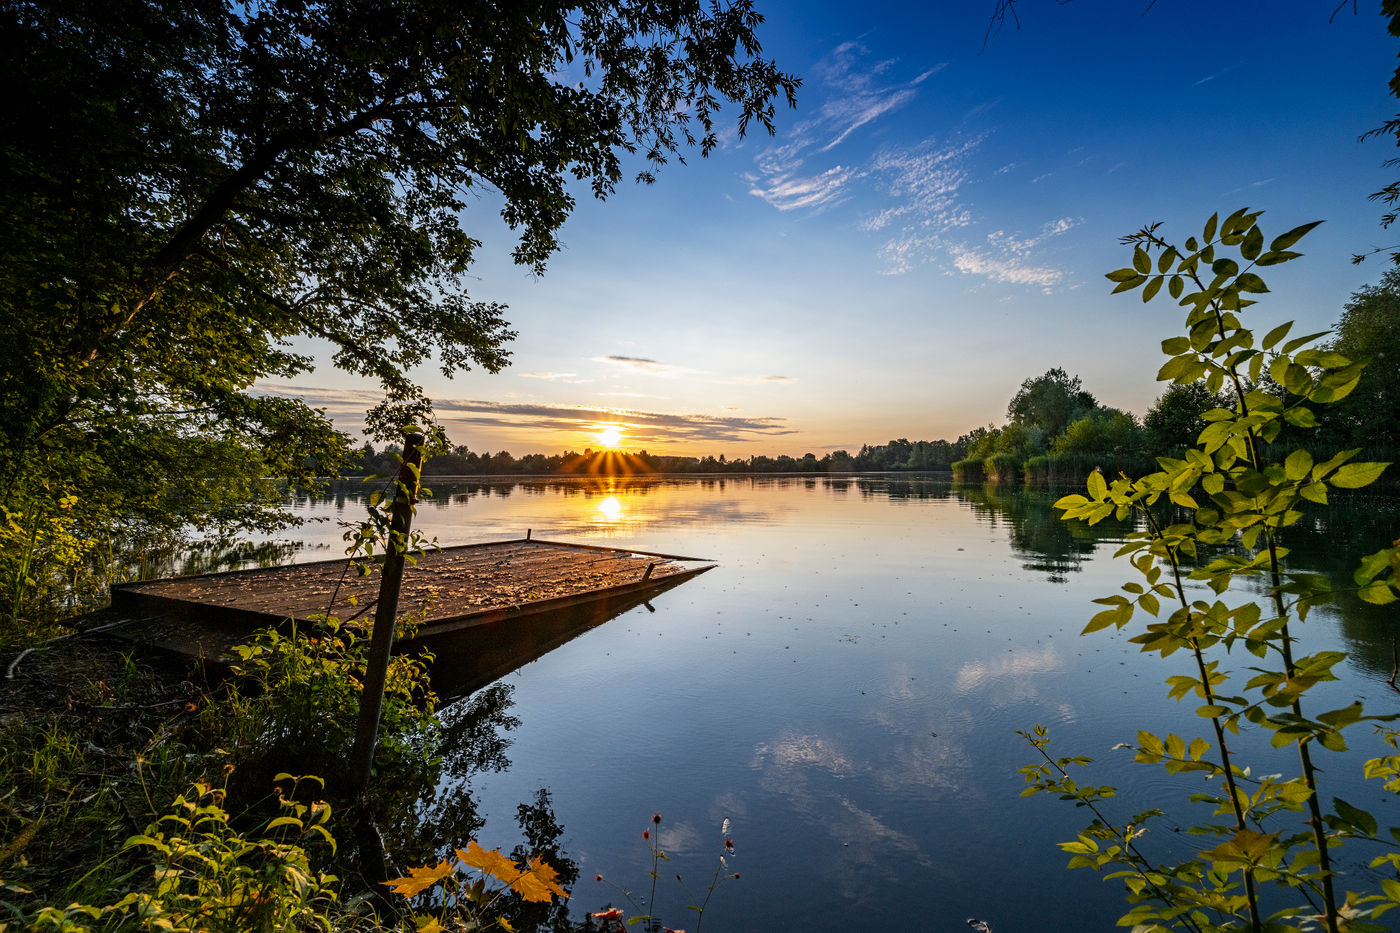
(969, 470)
(1003, 466)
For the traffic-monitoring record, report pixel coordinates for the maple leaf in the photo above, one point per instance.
(489, 861)
(538, 882)
(420, 879)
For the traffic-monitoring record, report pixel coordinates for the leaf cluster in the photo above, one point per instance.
(1237, 494)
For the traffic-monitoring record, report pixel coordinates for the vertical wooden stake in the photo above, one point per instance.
(381, 643)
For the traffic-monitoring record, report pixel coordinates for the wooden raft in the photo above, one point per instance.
(454, 588)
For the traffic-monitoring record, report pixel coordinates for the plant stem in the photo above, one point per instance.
(1209, 694)
(1138, 860)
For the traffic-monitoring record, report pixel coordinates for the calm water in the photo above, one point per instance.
(844, 689)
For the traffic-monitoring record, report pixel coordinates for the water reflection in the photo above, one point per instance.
(468, 659)
(844, 687)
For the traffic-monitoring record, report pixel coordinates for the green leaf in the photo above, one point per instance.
(1356, 475)
(1300, 416)
(1174, 346)
(1226, 267)
(1249, 282)
(1273, 258)
(1097, 487)
(1121, 275)
(1141, 261)
(1297, 342)
(1253, 243)
(1275, 335)
(1285, 240)
(1175, 286)
(1356, 816)
(1128, 284)
(1209, 233)
(1154, 285)
(1377, 594)
(1298, 464)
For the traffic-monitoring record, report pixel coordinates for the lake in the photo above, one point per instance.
(844, 689)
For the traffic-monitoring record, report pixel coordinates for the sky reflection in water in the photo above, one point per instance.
(845, 688)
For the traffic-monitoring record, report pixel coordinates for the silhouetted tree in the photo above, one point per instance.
(1050, 402)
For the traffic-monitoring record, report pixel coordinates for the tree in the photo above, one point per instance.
(1174, 421)
(187, 188)
(1050, 402)
(1369, 329)
(1102, 431)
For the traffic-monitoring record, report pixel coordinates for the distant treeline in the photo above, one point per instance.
(901, 454)
(1055, 429)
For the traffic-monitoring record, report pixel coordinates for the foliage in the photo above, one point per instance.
(1176, 419)
(1104, 430)
(1002, 466)
(1273, 831)
(1369, 330)
(1050, 402)
(207, 876)
(295, 697)
(456, 898)
(1390, 194)
(188, 189)
(968, 470)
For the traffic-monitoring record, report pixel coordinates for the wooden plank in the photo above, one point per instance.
(454, 588)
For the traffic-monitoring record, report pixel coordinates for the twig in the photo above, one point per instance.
(10, 671)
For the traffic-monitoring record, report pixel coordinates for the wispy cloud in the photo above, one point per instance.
(347, 407)
(1006, 258)
(916, 195)
(923, 182)
(858, 94)
(571, 378)
(755, 380)
(1250, 187)
(1220, 73)
(641, 364)
(789, 191)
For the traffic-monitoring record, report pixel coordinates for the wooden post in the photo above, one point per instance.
(381, 643)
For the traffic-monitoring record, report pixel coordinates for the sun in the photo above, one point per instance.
(610, 435)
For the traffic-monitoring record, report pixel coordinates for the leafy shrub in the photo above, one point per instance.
(1002, 466)
(969, 470)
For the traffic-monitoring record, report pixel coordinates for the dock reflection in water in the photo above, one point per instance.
(464, 661)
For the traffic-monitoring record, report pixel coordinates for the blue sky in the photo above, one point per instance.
(930, 227)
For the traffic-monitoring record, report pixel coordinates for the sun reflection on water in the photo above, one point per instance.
(610, 509)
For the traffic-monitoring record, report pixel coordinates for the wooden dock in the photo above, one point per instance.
(454, 588)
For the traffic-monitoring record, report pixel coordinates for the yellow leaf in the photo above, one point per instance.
(430, 926)
(489, 861)
(420, 879)
(538, 882)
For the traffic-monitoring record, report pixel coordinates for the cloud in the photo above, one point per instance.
(858, 94)
(1220, 73)
(923, 182)
(788, 191)
(1006, 258)
(570, 378)
(641, 364)
(347, 406)
(755, 380)
(1249, 187)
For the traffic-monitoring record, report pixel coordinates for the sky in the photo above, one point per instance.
(929, 227)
